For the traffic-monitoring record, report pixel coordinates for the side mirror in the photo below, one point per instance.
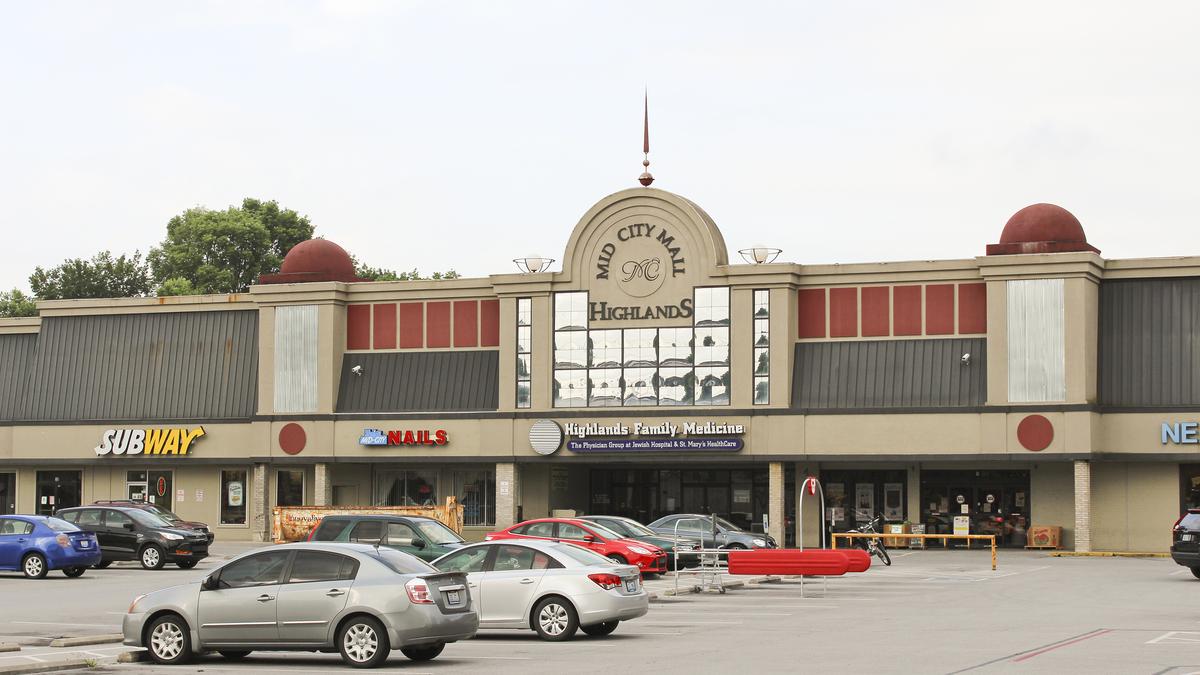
(211, 582)
(129, 526)
(589, 538)
(418, 542)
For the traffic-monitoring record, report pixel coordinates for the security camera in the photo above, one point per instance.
(966, 359)
(357, 370)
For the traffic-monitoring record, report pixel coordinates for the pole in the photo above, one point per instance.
(993, 553)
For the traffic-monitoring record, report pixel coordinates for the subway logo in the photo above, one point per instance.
(171, 441)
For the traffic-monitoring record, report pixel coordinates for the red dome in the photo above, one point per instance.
(1041, 228)
(314, 260)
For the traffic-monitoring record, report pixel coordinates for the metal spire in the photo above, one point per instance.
(646, 179)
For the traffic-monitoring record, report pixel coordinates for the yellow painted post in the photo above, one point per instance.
(993, 553)
(834, 538)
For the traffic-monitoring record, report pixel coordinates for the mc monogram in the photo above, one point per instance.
(649, 269)
(637, 256)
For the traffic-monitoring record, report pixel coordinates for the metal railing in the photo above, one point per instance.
(896, 535)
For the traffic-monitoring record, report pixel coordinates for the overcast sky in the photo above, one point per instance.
(462, 134)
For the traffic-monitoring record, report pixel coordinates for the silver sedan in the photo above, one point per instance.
(550, 587)
(361, 600)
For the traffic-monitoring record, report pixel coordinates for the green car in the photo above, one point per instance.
(426, 538)
(632, 529)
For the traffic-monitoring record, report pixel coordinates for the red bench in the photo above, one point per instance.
(810, 562)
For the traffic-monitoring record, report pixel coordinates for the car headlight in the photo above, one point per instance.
(171, 536)
(640, 551)
(759, 542)
(134, 603)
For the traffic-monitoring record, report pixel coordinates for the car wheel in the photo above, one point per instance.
(1196, 572)
(233, 655)
(152, 557)
(186, 564)
(617, 558)
(736, 547)
(425, 653)
(74, 571)
(102, 564)
(168, 640)
(555, 619)
(34, 566)
(363, 642)
(601, 629)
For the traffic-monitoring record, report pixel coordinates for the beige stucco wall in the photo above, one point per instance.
(1052, 498)
(1133, 505)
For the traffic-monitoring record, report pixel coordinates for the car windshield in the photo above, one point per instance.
(436, 533)
(162, 513)
(146, 518)
(726, 525)
(60, 525)
(603, 531)
(402, 563)
(581, 555)
(617, 526)
(630, 527)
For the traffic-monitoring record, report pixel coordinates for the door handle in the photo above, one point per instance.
(527, 580)
(334, 592)
(473, 585)
(265, 598)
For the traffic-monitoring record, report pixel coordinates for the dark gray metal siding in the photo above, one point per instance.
(890, 374)
(419, 381)
(16, 352)
(1150, 342)
(178, 365)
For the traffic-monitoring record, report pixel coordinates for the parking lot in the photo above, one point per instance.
(932, 611)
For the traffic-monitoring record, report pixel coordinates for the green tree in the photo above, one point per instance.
(16, 303)
(369, 273)
(175, 286)
(103, 276)
(286, 227)
(217, 251)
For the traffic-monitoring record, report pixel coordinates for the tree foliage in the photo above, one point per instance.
(16, 303)
(286, 227)
(175, 286)
(103, 276)
(364, 271)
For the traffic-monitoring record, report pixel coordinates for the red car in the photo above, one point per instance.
(648, 558)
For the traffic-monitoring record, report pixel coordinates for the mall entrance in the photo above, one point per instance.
(738, 495)
(996, 502)
(58, 490)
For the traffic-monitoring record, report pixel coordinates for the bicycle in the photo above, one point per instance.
(873, 546)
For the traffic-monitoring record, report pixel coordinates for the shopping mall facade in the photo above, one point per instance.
(1040, 384)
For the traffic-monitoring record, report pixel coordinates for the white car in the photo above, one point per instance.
(550, 587)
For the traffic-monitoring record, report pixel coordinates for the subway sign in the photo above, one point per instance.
(152, 441)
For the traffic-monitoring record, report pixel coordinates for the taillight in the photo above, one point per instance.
(605, 581)
(1177, 521)
(311, 533)
(418, 592)
(487, 538)
(63, 541)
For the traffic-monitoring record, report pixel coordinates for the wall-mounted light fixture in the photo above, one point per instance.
(533, 264)
(759, 255)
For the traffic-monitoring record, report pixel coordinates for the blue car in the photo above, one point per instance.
(37, 544)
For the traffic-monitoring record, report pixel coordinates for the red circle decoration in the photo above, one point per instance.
(161, 486)
(292, 438)
(1035, 433)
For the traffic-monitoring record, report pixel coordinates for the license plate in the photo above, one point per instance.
(631, 585)
(85, 544)
(452, 598)
(1187, 537)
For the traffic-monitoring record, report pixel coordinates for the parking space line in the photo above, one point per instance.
(1173, 637)
(67, 623)
(692, 623)
(1066, 643)
(693, 613)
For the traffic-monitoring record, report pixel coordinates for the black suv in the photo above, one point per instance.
(1185, 541)
(128, 533)
(159, 511)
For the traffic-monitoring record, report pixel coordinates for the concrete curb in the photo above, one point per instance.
(70, 664)
(9, 647)
(87, 640)
(1107, 554)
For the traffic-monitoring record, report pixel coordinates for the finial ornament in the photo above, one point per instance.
(646, 179)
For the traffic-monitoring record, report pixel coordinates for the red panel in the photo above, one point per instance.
(939, 309)
(876, 320)
(972, 308)
(437, 324)
(358, 326)
(1035, 433)
(907, 314)
(466, 323)
(385, 326)
(812, 312)
(412, 325)
(843, 312)
(489, 323)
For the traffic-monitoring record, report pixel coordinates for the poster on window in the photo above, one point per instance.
(864, 502)
(835, 494)
(234, 492)
(893, 501)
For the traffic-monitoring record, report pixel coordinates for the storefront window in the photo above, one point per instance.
(289, 487)
(58, 490)
(641, 366)
(149, 486)
(406, 488)
(524, 350)
(476, 492)
(233, 497)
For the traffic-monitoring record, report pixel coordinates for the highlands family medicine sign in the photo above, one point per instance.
(662, 437)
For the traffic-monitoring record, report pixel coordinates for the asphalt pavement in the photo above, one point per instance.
(931, 612)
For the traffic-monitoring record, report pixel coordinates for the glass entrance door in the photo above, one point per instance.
(995, 502)
(8, 493)
(58, 490)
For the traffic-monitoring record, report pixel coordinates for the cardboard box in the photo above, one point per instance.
(1044, 536)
